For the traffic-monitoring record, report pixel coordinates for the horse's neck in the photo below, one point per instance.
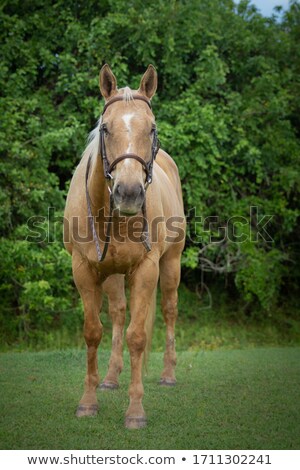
(98, 188)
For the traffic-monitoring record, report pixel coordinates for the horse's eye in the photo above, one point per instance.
(153, 129)
(105, 130)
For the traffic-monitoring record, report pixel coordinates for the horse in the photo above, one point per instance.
(124, 221)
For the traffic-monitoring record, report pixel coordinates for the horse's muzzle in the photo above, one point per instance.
(129, 199)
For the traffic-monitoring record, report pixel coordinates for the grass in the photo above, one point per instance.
(225, 399)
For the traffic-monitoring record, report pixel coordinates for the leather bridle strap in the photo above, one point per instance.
(100, 255)
(135, 96)
(134, 157)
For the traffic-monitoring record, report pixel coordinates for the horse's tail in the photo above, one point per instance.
(149, 327)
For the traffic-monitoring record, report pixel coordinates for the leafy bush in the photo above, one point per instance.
(36, 290)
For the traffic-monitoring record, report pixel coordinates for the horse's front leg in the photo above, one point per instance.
(87, 283)
(142, 287)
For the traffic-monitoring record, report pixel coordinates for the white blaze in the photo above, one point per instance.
(127, 120)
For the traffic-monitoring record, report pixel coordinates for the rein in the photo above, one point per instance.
(107, 169)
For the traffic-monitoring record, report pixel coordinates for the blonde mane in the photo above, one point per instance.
(127, 94)
(93, 141)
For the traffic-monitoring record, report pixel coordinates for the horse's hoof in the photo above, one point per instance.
(135, 422)
(108, 386)
(167, 382)
(87, 410)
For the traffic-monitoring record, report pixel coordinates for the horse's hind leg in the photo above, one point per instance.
(169, 282)
(114, 288)
(86, 280)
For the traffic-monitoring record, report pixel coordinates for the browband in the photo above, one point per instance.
(135, 96)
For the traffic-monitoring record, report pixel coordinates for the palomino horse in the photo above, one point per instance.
(124, 219)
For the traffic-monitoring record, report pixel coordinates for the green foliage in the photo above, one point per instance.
(260, 276)
(227, 108)
(36, 290)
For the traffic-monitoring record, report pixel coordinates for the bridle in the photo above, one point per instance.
(108, 169)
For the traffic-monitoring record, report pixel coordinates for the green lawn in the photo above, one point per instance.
(226, 399)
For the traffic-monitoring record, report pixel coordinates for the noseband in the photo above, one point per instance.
(108, 169)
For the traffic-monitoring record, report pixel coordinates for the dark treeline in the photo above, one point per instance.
(227, 109)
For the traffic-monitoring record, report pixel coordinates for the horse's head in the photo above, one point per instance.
(128, 139)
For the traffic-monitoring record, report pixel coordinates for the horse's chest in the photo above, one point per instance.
(120, 258)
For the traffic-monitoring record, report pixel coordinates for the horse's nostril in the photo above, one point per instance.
(141, 190)
(120, 190)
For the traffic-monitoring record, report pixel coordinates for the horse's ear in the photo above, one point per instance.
(148, 83)
(107, 82)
